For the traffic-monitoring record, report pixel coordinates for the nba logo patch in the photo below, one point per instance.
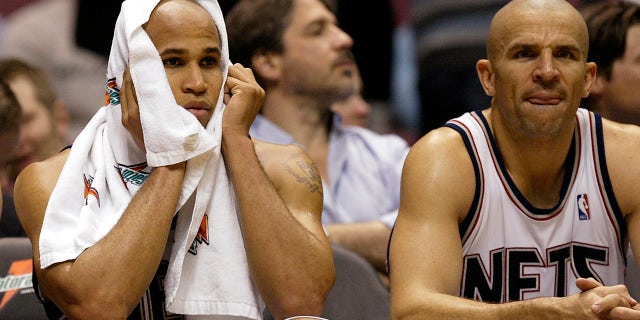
(583, 207)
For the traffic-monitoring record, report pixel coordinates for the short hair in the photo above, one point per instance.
(257, 26)
(608, 23)
(12, 68)
(10, 110)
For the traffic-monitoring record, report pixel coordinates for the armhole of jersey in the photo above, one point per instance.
(467, 223)
(610, 200)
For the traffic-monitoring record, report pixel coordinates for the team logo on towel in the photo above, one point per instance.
(17, 279)
(89, 190)
(583, 207)
(113, 94)
(133, 174)
(202, 236)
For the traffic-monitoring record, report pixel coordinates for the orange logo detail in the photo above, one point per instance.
(19, 277)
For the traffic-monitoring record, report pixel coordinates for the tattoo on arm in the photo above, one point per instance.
(306, 172)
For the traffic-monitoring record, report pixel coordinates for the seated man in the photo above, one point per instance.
(43, 128)
(522, 210)
(160, 195)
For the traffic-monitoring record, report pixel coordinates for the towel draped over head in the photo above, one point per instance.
(208, 272)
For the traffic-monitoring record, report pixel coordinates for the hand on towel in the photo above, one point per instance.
(243, 97)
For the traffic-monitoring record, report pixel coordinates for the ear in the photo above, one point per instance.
(61, 118)
(266, 65)
(593, 84)
(486, 76)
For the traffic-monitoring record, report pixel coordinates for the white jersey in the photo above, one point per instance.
(515, 251)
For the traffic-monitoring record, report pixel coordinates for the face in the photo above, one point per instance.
(620, 94)
(39, 138)
(316, 61)
(187, 39)
(537, 74)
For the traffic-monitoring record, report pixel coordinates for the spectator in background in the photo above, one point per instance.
(614, 32)
(303, 61)
(70, 41)
(10, 114)
(614, 45)
(44, 121)
(43, 127)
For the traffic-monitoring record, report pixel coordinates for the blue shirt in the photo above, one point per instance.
(364, 170)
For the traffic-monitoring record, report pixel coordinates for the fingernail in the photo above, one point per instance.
(595, 308)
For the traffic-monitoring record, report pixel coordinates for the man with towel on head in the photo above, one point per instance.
(163, 207)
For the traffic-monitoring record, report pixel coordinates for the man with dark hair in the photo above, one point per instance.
(43, 127)
(303, 60)
(614, 45)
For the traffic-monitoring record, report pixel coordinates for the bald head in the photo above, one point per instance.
(557, 16)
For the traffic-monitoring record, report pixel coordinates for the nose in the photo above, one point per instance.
(343, 39)
(194, 81)
(546, 70)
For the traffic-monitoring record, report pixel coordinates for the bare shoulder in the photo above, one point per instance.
(291, 170)
(32, 191)
(439, 145)
(438, 173)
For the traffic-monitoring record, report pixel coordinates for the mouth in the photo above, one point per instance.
(200, 109)
(544, 99)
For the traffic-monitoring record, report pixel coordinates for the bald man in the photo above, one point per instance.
(278, 195)
(521, 210)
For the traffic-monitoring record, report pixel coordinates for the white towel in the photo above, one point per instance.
(105, 168)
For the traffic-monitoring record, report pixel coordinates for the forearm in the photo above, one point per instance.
(118, 269)
(446, 307)
(291, 265)
(368, 239)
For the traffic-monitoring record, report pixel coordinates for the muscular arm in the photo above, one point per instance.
(107, 279)
(426, 253)
(279, 194)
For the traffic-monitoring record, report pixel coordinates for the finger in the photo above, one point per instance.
(608, 303)
(585, 284)
(620, 313)
(239, 71)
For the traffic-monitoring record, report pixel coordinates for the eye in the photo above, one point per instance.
(525, 53)
(565, 54)
(210, 62)
(171, 62)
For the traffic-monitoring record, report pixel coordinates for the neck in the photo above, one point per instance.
(304, 119)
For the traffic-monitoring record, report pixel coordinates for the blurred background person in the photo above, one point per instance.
(10, 114)
(70, 41)
(43, 125)
(614, 32)
(614, 45)
(303, 60)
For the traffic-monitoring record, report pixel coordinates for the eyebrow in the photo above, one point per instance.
(178, 51)
(519, 46)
